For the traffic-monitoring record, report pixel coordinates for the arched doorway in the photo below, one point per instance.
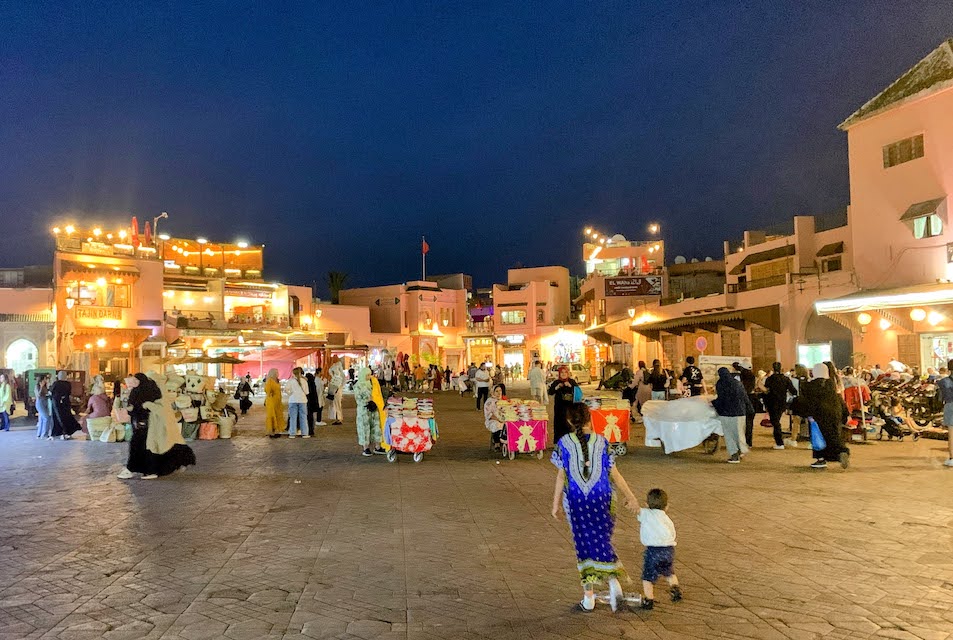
(21, 355)
(821, 329)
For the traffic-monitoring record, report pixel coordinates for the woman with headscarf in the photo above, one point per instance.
(6, 399)
(336, 390)
(156, 448)
(818, 399)
(98, 411)
(563, 390)
(64, 423)
(274, 411)
(369, 413)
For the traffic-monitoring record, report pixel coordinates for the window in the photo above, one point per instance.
(927, 226)
(903, 151)
(540, 316)
(91, 294)
(513, 317)
(831, 264)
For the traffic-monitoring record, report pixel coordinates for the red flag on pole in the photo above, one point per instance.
(134, 240)
(148, 234)
(424, 248)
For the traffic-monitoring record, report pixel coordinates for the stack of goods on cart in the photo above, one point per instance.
(425, 408)
(606, 403)
(522, 410)
(410, 426)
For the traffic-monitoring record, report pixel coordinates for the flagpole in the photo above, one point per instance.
(423, 242)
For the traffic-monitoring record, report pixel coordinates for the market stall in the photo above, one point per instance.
(677, 425)
(526, 423)
(410, 426)
(610, 419)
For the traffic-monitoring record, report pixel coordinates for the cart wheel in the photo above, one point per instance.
(710, 444)
(504, 450)
(621, 449)
(900, 438)
(392, 455)
(539, 455)
(512, 455)
(418, 456)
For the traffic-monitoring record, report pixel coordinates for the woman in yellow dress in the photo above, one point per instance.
(274, 411)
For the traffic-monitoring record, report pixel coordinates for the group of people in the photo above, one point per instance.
(306, 396)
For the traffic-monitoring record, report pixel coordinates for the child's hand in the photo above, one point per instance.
(632, 504)
(556, 510)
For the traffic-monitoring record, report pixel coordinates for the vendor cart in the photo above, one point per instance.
(409, 435)
(613, 425)
(676, 428)
(524, 437)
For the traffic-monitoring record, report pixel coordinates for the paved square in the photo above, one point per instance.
(304, 539)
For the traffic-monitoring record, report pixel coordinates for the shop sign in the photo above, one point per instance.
(200, 333)
(249, 292)
(634, 286)
(479, 341)
(97, 313)
(511, 339)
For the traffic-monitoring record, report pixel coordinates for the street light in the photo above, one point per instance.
(631, 312)
(582, 317)
(155, 224)
(654, 228)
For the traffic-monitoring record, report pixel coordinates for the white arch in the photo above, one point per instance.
(21, 355)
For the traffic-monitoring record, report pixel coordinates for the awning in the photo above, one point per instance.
(832, 249)
(921, 209)
(599, 333)
(763, 256)
(768, 317)
(96, 269)
(874, 299)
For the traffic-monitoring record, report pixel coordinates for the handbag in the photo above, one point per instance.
(205, 411)
(190, 415)
(237, 394)
(183, 401)
(371, 406)
(208, 431)
(225, 426)
(121, 415)
(577, 395)
(108, 435)
(818, 443)
(767, 423)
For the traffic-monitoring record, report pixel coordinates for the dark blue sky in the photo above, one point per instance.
(339, 133)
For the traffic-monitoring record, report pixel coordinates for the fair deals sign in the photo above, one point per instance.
(710, 365)
(634, 286)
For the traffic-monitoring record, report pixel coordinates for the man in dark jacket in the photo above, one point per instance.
(731, 404)
(778, 387)
(819, 400)
(748, 381)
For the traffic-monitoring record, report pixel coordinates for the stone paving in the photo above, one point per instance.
(300, 539)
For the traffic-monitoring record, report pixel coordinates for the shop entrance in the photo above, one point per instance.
(821, 329)
(936, 349)
(763, 350)
(21, 355)
(513, 358)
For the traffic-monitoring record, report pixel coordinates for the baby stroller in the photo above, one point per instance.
(896, 427)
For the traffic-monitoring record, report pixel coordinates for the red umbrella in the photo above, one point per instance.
(148, 235)
(135, 232)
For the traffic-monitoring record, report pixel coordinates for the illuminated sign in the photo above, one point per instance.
(97, 313)
(634, 286)
(249, 292)
(512, 339)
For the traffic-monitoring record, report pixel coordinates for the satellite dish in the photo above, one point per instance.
(707, 258)
(617, 238)
(679, 259)
(694, 260)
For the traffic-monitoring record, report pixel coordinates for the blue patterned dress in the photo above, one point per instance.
(589, 503)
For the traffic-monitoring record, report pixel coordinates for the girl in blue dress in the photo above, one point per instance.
(584, 489)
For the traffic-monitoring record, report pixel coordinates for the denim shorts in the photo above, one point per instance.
(948, 414)
(658, 561)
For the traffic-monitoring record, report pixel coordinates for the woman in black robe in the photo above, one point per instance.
(150, 464)
(563, 390)
(64, 422)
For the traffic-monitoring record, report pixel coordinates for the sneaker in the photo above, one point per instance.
(779, 447)
(337, 422)
(647, 605)
(844, 459)
(948, 463)
(125, 474)
(320, 424)
(367, 453)
(291, 435)
(676, 593)
(790, 442)
(306, 436)
(819, 464)
(151, 476)
(379, 451)
(735, 458)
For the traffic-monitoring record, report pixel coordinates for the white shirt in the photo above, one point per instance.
(536, 377)
(297, 391)
(657, 529)
(482, 378)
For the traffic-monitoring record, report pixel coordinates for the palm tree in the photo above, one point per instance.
(335, 281)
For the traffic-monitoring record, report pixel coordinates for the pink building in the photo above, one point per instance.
(900, 146)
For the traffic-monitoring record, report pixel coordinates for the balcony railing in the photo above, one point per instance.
(238, 320)
(195, 319)
(761, 283)
(480, 327)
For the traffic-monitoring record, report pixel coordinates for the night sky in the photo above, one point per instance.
(339, 133)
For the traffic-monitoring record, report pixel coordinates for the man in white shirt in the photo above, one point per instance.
(537, 383)
(482, 386)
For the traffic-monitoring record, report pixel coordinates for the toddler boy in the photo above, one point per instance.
(657, 532)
